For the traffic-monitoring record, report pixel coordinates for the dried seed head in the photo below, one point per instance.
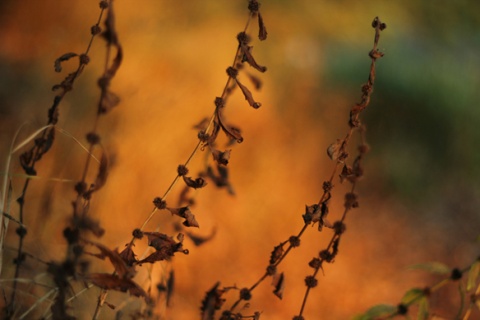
(456, 274)
(253, 6)
(93, 138)
(21, 231)
(326, 255)
(311, 282)
(271, 270)
(80, 188)
(327, 186)
(159, 203)
(182, 170)
(95, 29)
(351, 200)
(137, 234)
(203, 136)
(339, 227)
(232, 72)
(219, 103)
(243, 38)
(104, 4)
(245, 294)
(402, 309)
(294, 241)
(84, 59)
(315, 263)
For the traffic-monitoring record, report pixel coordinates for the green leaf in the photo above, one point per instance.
(473, 275)
(411, 295)
(432, 267)
(379, 310)
(422, 309)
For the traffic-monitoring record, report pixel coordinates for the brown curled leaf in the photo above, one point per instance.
(184, 212)
(221, 157)
(114, 282)
(248, 95)
(262, 32)
(194, 183)
(246, 50)
(108, 101)
(257, 83)
(276, 254)
(230, 131)
(278, 281)
(336, 151)
(128, 256)
(213, 301)
(119, 264)
(165, 247)
(64, 57)
(101, 178)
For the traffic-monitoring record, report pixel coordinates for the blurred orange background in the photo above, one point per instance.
(419, 198)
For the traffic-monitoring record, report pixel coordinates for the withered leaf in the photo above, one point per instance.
(230, 131)
(257, 83)
(101, 178)
(277, 253)
(64, 57)
(119, 264)
(44, 143)
(184, 212)
(221, 157)
(168, 287)
(278, 281)
(246, 50)
(347, 173)
(248, 95)
(262, 32)
(336, 150)
(221, 179)
(84, 222)
(114, 282)
(128, 256)
(213, 301)
(108, 101)
(194, 183)
(316, 213)
(67, 83)
(164, 245)
(199, 240)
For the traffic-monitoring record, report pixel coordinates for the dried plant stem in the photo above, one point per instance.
(37, 153)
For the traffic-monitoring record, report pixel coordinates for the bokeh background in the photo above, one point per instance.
(419, 199)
